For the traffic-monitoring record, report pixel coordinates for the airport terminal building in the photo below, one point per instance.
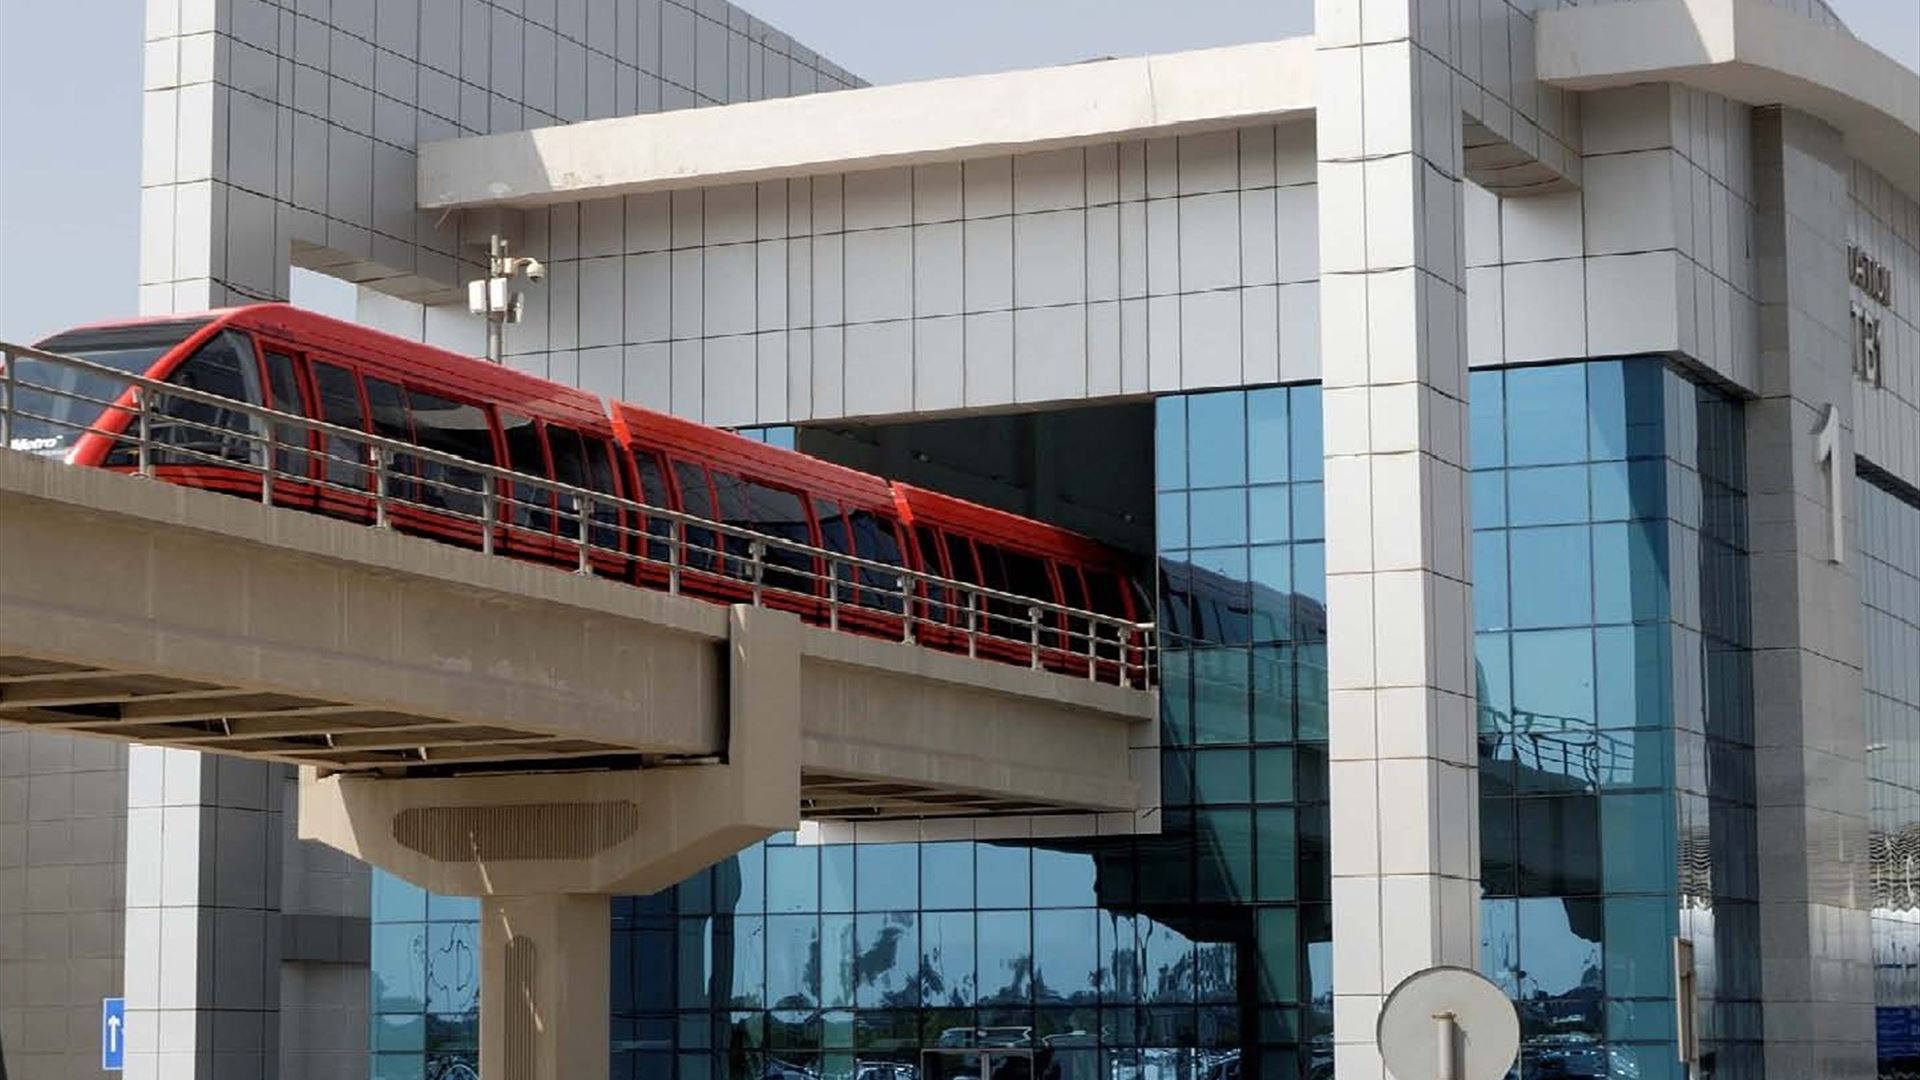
(1513, 410)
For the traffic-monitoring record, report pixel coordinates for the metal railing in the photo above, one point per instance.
(209, 440)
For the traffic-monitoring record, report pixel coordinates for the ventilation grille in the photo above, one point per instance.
(524, 831)
(522, 1008)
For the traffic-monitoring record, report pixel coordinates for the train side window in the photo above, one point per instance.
(696, 500)
(730, 500)
(340, 405)
(573, 466)
(387, 410)
(835, 538)
(283, 383)
(782, 514)
(457, 428)
(940, 601)
(877, 541)
(569, 456)
(603, 479)
(527, 454)
(1005, 618)
(1027, 577)
(204, 432)
(960, 562)
(1073, 594)
(1104, 595)
(653, 492)
(926, 539)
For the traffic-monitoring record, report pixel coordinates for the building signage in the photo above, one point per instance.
(1871, 277)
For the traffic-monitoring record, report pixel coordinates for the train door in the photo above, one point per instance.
(341, 469)
(526, 516)
(1077, 646)
(586, 461)
(655, 551)
(789, 577)
(454, 495)
(293, 445)
(701, 550)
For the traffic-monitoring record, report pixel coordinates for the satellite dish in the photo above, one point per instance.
(1448, 1023)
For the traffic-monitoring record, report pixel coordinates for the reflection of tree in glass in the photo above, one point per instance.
(459, 1066)
(876, 964)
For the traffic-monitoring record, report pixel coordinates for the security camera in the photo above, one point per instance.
(535, 271)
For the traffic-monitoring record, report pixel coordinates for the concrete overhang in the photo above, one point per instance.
(917, 123)
(1751, 52)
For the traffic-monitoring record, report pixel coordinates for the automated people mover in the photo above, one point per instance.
(292, 361)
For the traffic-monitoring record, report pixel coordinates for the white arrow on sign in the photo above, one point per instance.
(113, 1034)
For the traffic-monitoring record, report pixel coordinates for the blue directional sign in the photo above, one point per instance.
(113, 1034)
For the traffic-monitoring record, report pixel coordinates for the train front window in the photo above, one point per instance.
(200, 432)
(57, 404)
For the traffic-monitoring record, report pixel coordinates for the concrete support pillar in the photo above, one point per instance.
(1404, 810)
(1809, 735)
(545, 976)
(203, 916)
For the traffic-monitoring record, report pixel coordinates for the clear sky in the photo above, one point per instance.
(70, 104)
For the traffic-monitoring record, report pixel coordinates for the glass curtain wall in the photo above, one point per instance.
(1608, 507)
(1615, 734)
(1889, 523)
(426, 983)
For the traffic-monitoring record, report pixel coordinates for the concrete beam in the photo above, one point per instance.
(210, 591)
(1762, 54)
(903, 124)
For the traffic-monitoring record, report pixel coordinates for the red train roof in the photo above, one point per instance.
(453, 371)
(925, 507)
(689, 439)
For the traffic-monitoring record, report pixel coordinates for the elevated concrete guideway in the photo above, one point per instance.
(166, 615)
(539, 738)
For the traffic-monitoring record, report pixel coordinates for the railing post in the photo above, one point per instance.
(585, 508)
(676, 538)
(266, 471)
(973, 623)
(143, 431)
(488, 510)
(906, 609)
(8, 381)
(757, 553)
(1033, 635)
(833, 595)
(378, 459)
(1093, 650)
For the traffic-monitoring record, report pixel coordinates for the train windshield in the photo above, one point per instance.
(57, 404)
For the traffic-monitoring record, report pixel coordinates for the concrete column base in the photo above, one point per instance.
(545, 974)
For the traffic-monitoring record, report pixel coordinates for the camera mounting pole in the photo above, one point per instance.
(493, 295)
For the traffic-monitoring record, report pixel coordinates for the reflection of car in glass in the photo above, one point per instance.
(885, 1071)
(985, 1037)
(1573, 1057)
(1218, 1066)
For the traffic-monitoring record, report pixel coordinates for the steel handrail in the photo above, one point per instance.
(923, 602)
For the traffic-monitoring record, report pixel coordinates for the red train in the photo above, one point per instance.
(296, 361)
